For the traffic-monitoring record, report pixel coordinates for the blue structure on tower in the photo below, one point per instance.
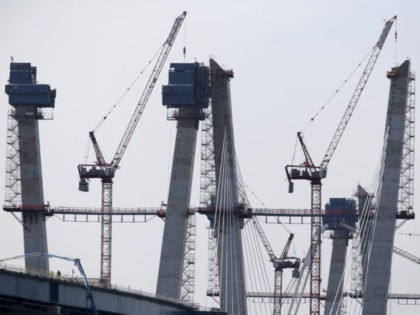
(340, 218)
(23, 89)
(188, 89)
(340, 210)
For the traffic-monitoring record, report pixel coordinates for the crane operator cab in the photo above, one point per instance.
(87, 171)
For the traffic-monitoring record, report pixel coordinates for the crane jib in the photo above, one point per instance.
(385, 32)
(357, 93)
(147, 91)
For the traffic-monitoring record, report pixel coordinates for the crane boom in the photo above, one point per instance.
(76, 262)
(147, 90)
(406, 255)
(264, 239)
(99, 156)
(287, 246)
(357, 93)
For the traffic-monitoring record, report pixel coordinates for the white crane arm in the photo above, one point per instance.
(357, 93)
(147, 91)
(406, 255)
(264, 239)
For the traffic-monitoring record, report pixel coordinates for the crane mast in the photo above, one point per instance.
(315, 174)
(106, 171)
(281, 263)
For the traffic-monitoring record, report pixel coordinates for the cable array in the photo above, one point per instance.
(354, 275)
(231, 232)
(225, 226)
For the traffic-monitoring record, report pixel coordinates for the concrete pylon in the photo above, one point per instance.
(342, 222)
(380, 258)
(28, 100)
(228, 223)
(186, 95)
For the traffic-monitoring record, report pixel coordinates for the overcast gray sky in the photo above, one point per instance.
(288, 58)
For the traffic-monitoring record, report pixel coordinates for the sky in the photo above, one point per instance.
(288, 58)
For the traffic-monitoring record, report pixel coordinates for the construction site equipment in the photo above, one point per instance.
(315, 174)
(106, 171)
(406, 255)
(76, 262)
(279, 263)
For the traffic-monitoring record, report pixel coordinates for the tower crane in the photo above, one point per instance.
(106, 171)
(315, 174)
(280, 263)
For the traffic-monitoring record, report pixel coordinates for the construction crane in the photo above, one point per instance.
(76, 262)
(406, 255)
(106, 171)
(395, 249)
(280, 263)
(315, 174)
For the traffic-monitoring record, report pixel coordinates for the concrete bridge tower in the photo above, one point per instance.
(380, 258)
(228, 222)
(30, 103)
(186, 95)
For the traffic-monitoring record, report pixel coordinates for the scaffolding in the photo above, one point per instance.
(406, 191)
(13, 189)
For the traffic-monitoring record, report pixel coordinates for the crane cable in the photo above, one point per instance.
(396, 42)
(294, 151)
(101, 121)
(184, 49)
(338, 89)
(329, 100)
(409, 234)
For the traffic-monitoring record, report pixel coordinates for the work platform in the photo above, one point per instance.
(145, 214)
